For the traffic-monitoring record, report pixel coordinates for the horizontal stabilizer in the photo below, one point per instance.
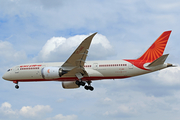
(158, 61)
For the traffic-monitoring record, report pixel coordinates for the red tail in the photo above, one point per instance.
(155, 51)
(157, 48)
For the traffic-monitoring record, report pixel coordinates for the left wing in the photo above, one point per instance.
(75, 63)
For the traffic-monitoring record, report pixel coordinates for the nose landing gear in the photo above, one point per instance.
(16, 86)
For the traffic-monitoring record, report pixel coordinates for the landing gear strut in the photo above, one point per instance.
(16, 86)
(80, 82)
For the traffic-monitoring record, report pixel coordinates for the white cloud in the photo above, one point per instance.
(10, 54)
(36, 111)
(168, 76)
(51, 45)
(60, 100)
(6, 109)
(28, 112)
(61, 117)
(123, 110)
(107, 99)
(58, 47)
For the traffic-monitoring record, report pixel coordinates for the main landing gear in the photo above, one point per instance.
(81, 83)
(16, 86)
(87, 87)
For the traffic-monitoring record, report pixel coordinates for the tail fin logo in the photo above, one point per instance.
(156, 49)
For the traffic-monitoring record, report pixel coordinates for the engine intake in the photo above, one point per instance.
(52, 72)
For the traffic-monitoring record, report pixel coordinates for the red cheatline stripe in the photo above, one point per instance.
(71, 79)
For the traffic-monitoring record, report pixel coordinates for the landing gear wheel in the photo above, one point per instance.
(80, 83)
(17, 86)
(88, 88)
(91, 88)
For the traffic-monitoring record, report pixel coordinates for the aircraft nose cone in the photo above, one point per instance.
(6, 76)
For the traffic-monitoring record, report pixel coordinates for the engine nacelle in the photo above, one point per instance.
(69, 85)
(52, 72)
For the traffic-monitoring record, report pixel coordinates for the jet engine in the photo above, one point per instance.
(69, 85)
(52, 72)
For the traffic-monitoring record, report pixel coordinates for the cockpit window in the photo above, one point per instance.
(8, 70)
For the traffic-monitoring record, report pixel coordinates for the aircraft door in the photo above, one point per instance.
(17, 70)
(95, 66)
(130, 65)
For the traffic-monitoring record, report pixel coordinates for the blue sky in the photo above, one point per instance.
(44, 30)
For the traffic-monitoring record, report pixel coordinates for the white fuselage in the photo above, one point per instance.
(109, 69)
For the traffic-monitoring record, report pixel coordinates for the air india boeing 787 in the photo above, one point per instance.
(76, 71)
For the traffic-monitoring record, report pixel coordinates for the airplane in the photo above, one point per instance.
(76, 71)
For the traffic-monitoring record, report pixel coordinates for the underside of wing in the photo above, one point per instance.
(74, 73)
(75, 63)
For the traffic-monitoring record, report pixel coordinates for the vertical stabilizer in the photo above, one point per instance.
(157, 48)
